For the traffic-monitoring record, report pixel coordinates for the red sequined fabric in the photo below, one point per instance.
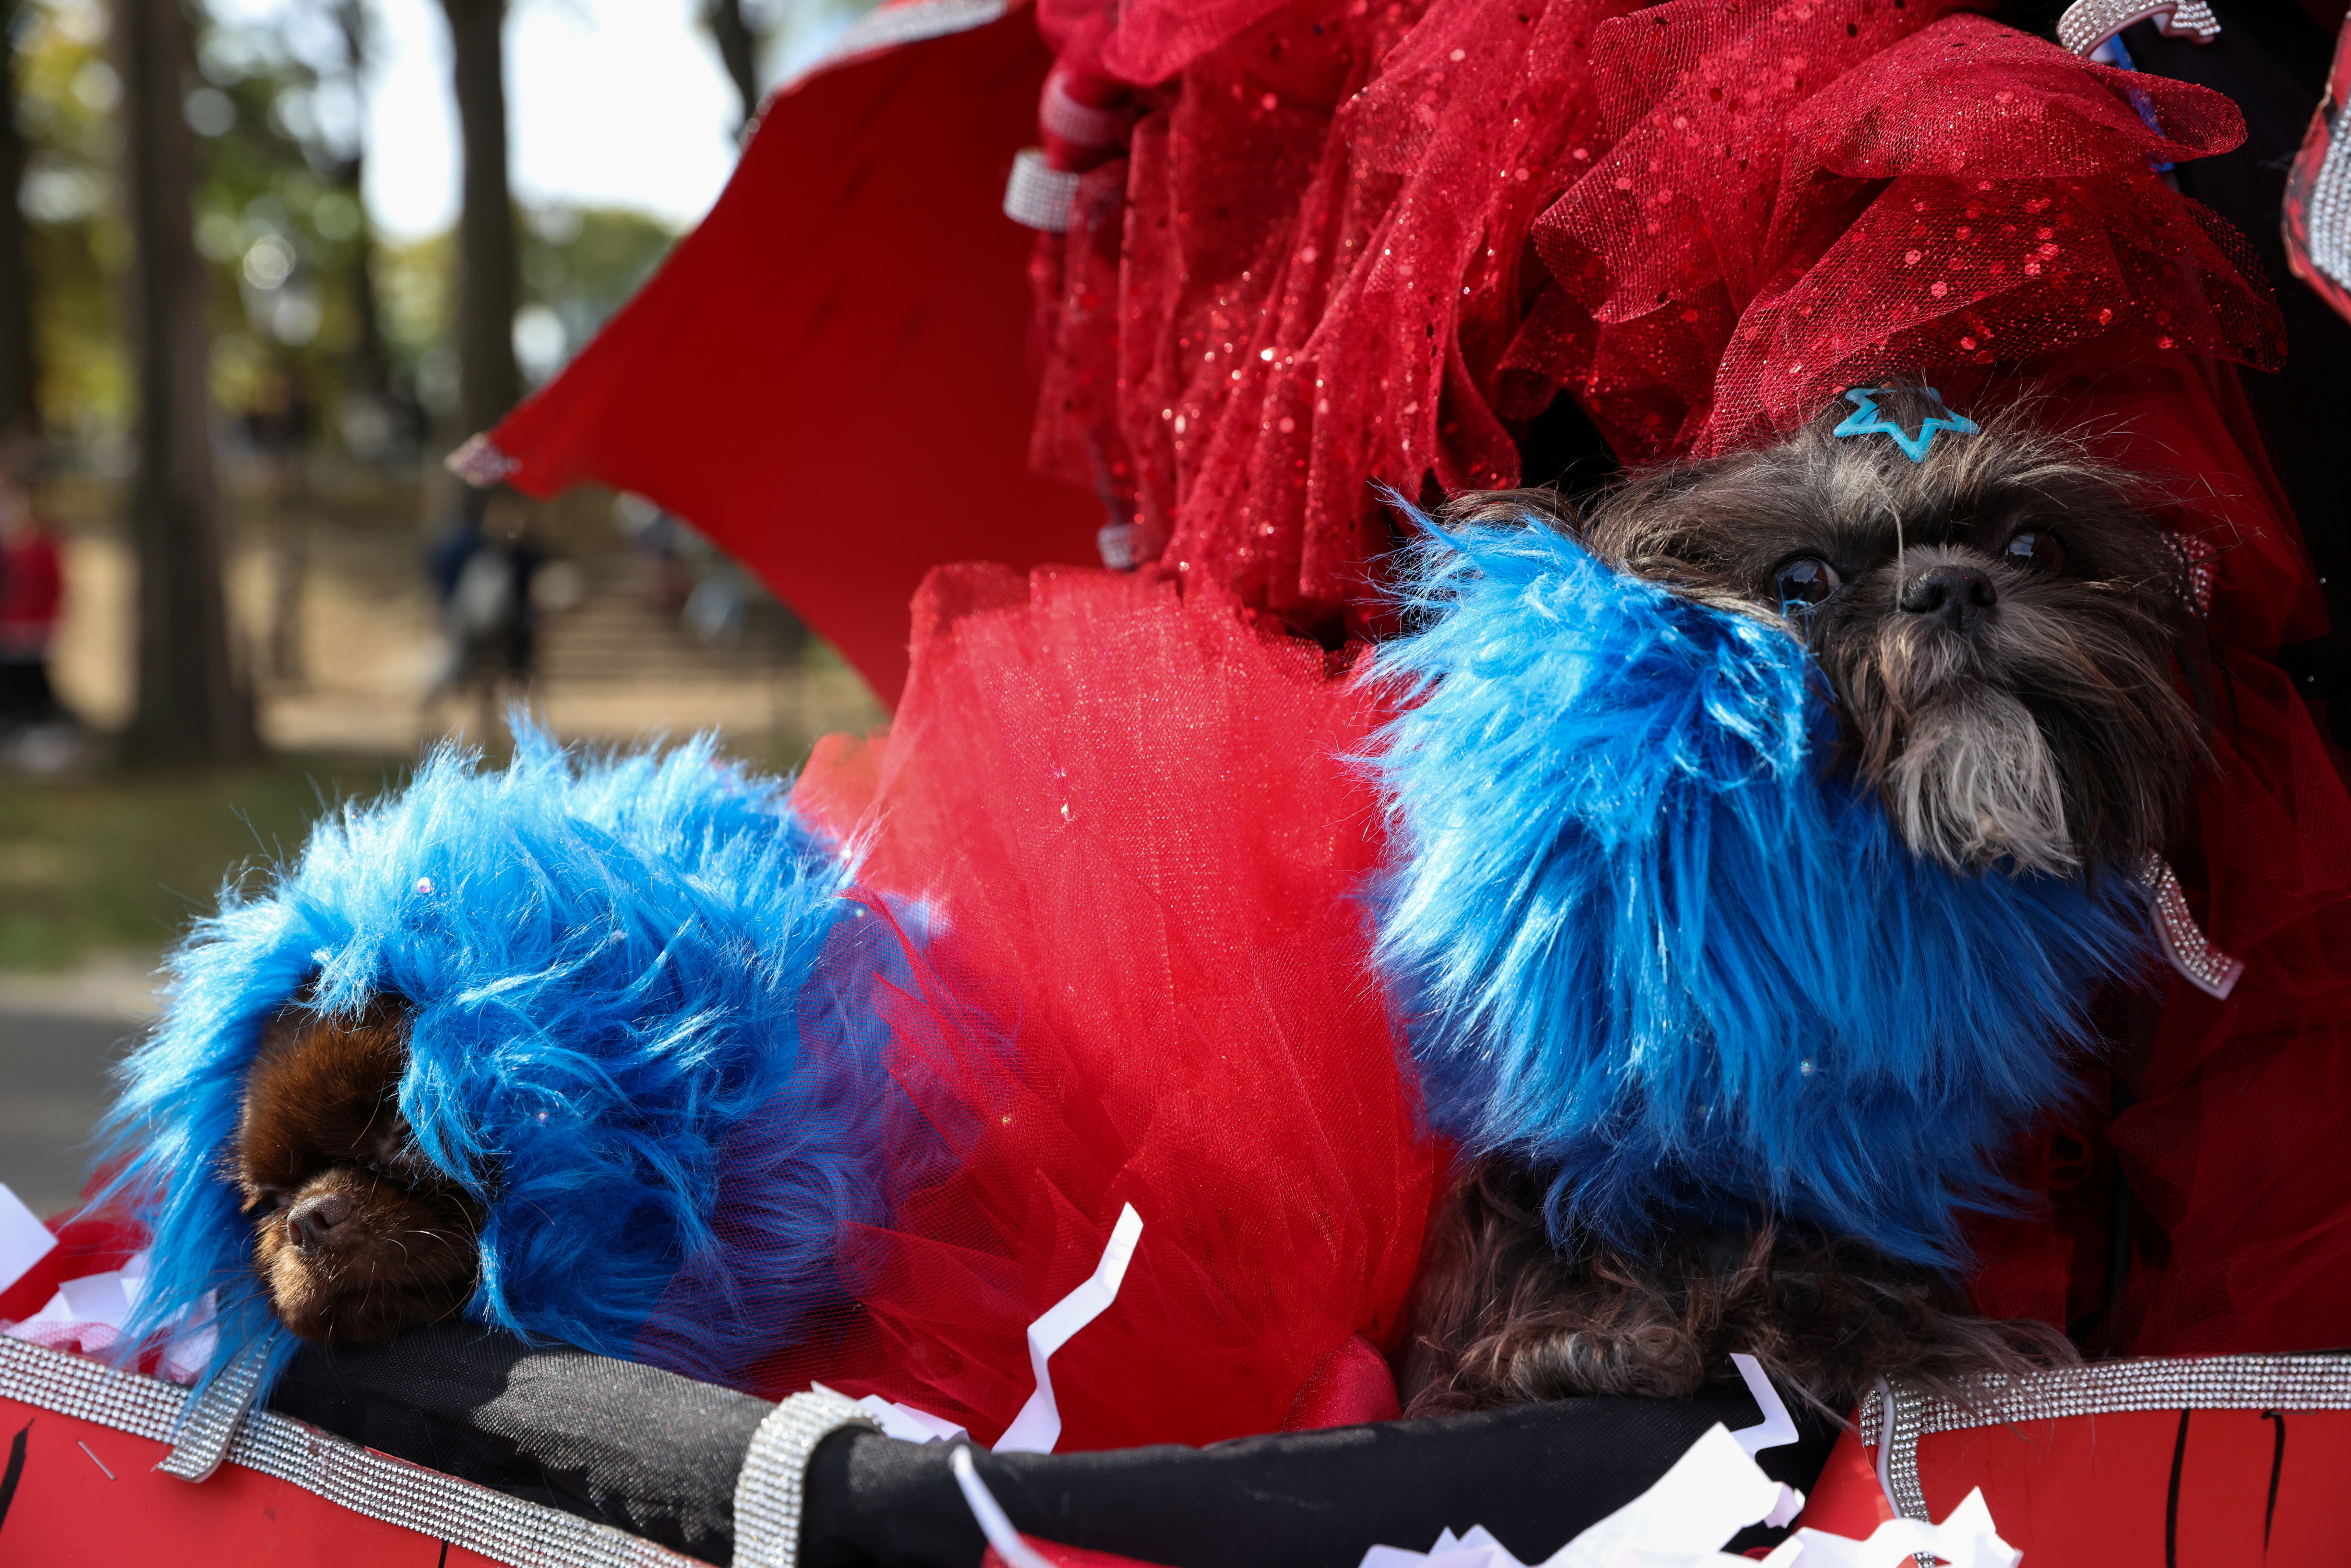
(1352, 245)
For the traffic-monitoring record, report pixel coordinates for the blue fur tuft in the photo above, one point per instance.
(1651, 944)
(604, 961)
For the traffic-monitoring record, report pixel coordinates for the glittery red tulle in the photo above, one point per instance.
(1116, 835)
(1354, 244)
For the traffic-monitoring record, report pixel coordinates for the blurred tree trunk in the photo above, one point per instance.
(371, 365)
(191, 706)
(18, 376)
(490, 383)
(739, 50)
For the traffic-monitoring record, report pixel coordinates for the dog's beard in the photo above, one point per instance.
(2049, 737)
(1974, 784)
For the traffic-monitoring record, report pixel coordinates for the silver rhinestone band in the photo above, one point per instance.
(1038, 195)
(2086, 23)
(767, 1490)
(2204, 966)
(209, 1420)
(2329, 212)
(2113, 1387)
(492, 1524)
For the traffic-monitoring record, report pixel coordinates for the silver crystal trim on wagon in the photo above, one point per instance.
(2106, 1388)
(490, 1523)
(209, 1419)
(2086, 23)
(768, 1491)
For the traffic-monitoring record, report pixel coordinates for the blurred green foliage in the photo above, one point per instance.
(279, 111)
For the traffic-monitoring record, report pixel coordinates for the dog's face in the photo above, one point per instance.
(1998, 625)
(356, 1236)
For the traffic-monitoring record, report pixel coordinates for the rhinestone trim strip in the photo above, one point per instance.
(768, 1489)
(1079, 124)
(1038, 195)
(2330, 207)
(498, 1527)
(2109, 1389)
(209, 1421)
(2204, 966)
(2086, 23)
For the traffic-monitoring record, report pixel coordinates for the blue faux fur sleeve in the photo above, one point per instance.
(1654, 948)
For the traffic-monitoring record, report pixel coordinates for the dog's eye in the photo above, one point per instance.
(2033, 550)
(1804, 582)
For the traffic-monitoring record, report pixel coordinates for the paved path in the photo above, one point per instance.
(57, 1037)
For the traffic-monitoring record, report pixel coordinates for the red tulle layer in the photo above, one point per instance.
(1119, 839)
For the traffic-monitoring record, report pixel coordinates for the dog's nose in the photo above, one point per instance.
(1957, 595)
(311, 1222)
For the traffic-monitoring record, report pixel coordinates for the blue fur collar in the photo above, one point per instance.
(1650, 947)
(605, 962)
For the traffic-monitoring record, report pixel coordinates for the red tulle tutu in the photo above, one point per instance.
(1116, 832)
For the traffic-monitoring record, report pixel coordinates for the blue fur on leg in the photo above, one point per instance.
(1650, 944)
(604, 961)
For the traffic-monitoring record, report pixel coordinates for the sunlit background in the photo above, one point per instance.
(330, 171)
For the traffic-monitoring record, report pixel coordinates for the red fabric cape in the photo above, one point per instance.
(843, 447)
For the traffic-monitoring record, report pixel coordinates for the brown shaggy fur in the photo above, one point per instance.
(1506, 1317)
(355, 1235)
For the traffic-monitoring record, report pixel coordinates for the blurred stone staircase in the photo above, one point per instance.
(614, 633)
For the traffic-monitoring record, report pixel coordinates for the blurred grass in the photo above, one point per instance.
(120, 861)
(116, 863)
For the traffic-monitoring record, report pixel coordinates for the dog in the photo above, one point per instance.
(2003, 640)
(523, 1045)
(357, 1236)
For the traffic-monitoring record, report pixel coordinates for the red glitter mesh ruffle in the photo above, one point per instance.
(1312, 273)
(1766, 232)
(1356, 245)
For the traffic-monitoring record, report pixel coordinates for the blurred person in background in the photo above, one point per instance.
(484, 566)
(32, 596)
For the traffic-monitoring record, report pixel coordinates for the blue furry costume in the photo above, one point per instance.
(606, 964)
(1656, 950)
(1648, 944)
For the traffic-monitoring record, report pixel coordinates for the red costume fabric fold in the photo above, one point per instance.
(825, 378)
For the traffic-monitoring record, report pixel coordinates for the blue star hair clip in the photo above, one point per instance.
(1868, 419)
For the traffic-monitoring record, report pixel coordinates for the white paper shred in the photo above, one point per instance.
(23, 1239)
(1039, 1425)
(1712, 1492)
(87, 1314)
(902, 1421)
(1777, 1429)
